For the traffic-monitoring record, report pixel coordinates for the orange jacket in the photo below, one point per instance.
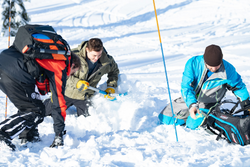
(56, 72)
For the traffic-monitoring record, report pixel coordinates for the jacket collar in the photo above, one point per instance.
(221, 73)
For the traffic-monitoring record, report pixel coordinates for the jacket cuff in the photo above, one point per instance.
(193, 105)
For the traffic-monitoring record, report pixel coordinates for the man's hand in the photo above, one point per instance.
(193, 110)
(109, 90)
(82, 85)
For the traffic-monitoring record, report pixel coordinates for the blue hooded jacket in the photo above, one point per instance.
(194, 89)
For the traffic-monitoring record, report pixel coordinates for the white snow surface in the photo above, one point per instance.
(126, 132)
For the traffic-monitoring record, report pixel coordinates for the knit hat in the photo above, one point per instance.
(213, 55)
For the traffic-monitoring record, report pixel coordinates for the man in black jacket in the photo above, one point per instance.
(19, 85)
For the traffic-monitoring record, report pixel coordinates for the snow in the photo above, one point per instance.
(127, 132)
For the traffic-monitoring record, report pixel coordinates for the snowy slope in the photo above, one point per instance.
(127, 132)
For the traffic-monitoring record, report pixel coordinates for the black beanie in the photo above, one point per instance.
(213, 55)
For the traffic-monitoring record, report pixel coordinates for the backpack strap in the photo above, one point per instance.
(209, 130)
(219, 135)
(246, 110)
(235, 106)
(228, 101)
(68, 52)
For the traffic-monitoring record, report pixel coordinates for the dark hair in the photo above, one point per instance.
(75, 60)
(95, 44)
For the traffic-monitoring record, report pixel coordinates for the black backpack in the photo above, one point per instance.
(229, 125)
(29, 43)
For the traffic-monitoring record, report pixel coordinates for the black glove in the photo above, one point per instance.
(58, 141)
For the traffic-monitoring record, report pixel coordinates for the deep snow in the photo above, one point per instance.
(127, 132)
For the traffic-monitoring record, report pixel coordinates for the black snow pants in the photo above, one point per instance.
(30, 108)
(81, 107)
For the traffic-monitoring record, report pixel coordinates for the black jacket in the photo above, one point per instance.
(12, 64)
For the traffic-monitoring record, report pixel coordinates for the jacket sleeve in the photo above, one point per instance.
(187, 88)
(113, 73)
(78, 75)
(235, 83)
(56, 72)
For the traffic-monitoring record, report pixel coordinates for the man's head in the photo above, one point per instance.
(75, 63)
(94, 49)
(213, 57)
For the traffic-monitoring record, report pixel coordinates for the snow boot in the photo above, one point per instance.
(32, 136)
(4, 140)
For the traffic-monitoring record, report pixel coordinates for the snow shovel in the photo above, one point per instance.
(112, 97)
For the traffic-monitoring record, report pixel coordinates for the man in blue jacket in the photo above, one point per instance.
(205, 80)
